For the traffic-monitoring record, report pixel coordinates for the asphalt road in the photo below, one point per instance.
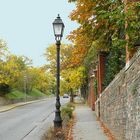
(18, 123)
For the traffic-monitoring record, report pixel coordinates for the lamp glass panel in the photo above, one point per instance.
(58, 29)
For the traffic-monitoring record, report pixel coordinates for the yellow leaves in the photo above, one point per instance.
(82, 43)
(74, 77)
(3, 79)
(65, 54)
(84, 11)
(78, 55)
(16, 70)
(50, 53)
(37, 78)
(11, 70)
(82, 37)
(3, 45)
(3, 49)
(72, 74)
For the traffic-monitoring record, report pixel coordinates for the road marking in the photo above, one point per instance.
(29, 132)
(38, 124)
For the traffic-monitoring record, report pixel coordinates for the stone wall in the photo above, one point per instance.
(4, 101)
(119, 104)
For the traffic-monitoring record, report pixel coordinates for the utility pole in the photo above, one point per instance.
(25, 87)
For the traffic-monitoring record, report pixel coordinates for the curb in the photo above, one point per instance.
(12, 106)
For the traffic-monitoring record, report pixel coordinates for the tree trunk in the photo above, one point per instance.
(71, 96)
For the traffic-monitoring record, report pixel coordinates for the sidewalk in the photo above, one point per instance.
(87, 127)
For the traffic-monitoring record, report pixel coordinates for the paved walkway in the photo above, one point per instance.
(87, 127)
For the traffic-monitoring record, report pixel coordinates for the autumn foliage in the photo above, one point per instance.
(102, 28)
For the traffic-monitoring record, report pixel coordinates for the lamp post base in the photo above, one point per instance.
(57, 124)
(57, 120)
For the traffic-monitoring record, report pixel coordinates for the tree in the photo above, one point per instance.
(15, 71)
(71, 78)
(82, 37)
(50, 54)
(3, 49)
(12, 70)
(36, 78)
(102, 28)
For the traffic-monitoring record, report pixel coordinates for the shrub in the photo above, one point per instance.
(71, 105)
(4, 88)
(67, 110)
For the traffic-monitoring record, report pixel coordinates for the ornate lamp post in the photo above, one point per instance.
(58, 27)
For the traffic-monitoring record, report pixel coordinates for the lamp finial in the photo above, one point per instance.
(58, 16)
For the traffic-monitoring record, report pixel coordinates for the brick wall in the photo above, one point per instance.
(100, 70)
(91, 96)
(119, 104)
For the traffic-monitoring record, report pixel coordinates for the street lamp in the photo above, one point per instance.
(58, 27)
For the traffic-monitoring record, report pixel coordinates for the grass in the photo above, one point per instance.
(15, 94)
(36, 93)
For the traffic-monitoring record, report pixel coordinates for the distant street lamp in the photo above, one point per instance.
(58, 27)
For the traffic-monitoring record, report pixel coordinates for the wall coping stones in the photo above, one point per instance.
(132, 60)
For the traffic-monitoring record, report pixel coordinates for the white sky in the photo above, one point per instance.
(26, 25)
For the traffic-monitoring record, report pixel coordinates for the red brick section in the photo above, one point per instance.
(92, 96)
(95, 79)
(98, 79)
(99, 75)
(101, 71)
(90, 91)
(89, 96)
